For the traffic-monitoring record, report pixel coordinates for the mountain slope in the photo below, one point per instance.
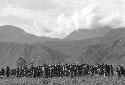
(108, 49)
(38, 54)
(9, 33)
(82, 34)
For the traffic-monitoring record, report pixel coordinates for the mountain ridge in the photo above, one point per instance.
(9, 33)
(82, 34)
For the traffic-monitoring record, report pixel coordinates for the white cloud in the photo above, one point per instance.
(35, 4)
(61, 17)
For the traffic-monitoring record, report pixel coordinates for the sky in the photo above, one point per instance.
(58, 18)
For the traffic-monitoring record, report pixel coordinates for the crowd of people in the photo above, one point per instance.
(50, 71)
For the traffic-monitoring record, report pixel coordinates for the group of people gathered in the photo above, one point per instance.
(50, 71)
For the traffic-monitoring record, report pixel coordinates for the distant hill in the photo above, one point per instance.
(108, 49)
(36, 53)
(9, 33)
(82, 34)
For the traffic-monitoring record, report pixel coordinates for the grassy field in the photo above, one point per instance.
(96, 80)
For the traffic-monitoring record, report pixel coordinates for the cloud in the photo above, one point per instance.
(35, 4)
(38, 18)
(60, 17)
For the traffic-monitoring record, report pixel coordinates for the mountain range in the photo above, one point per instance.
(9, 33)
(82, 34)
(107, 47)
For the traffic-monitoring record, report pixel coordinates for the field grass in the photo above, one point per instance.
(95, 80)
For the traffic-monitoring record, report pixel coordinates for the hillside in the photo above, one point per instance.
(82, 34)
(108, 49)
(9, 33)
(38, 54)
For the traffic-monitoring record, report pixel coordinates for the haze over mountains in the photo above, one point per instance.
(107, 47)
